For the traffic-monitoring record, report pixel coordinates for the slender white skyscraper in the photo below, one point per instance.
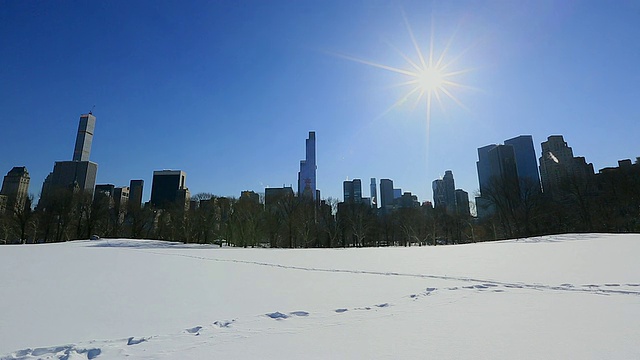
(84, 137)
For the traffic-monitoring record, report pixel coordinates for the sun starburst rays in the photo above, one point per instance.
(428, 75)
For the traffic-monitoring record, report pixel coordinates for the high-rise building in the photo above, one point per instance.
(444, 193)
(449, 191)
(307, 174)
(136, 188)
(559, 166)
(84, 137)
(80, 173)
(386, 194)
(526, 164)
(15, 187)
(497, 171)
(352, 191)
(438, 193)
(168, 188)
(373, 193)
(462, 203)
(484, 167)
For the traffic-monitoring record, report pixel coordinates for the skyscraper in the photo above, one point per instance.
(526, 163)
(558, 166)
(80, 173)
(386, 194)
(373, 193)
(484, 167)
(462, 203)
(307, 174)
(497, 171)
(449, 192)
(352, 191)
(15, 187)
(136, 188)
(438, 193)
(168, 188)
(84, 138)
(444, 192)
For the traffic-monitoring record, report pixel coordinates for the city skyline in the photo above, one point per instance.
(230, 108)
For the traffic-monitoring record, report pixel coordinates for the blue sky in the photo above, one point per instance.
(228, 90)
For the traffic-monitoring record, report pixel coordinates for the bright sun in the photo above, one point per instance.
(430, 79)
(427, 77)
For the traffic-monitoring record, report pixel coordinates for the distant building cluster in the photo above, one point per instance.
(504, 170)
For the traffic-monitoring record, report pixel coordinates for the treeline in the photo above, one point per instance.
(607, 202)
(288, 222)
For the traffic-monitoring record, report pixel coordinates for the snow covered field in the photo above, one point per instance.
(555, 297)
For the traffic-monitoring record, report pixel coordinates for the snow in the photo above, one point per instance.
(569, 296)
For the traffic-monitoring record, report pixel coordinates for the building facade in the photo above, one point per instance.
(386, 194)
(558, 167)
(526, 164)
(168, 189)
(136, 188)
(352, 191)
(462, 203)
(84, 139)
(15, 187)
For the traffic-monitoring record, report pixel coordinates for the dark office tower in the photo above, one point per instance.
(497, 172)
(502, 161)
(462, 203)
(84, 137)
(168, 189)
(558, 166)
(484, 167)
(526, 164)
(16, 187)
(136, 188)
(386, 193)
(373, 193)
(449, 192)
(347, 191)
(307, 174)
(352, 191)
(439, 197)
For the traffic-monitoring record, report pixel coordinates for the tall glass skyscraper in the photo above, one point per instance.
(307, 174)
(526, 163)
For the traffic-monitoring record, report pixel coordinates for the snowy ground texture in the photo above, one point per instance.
(555, 297)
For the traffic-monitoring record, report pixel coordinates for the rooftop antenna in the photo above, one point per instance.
(91, 111)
